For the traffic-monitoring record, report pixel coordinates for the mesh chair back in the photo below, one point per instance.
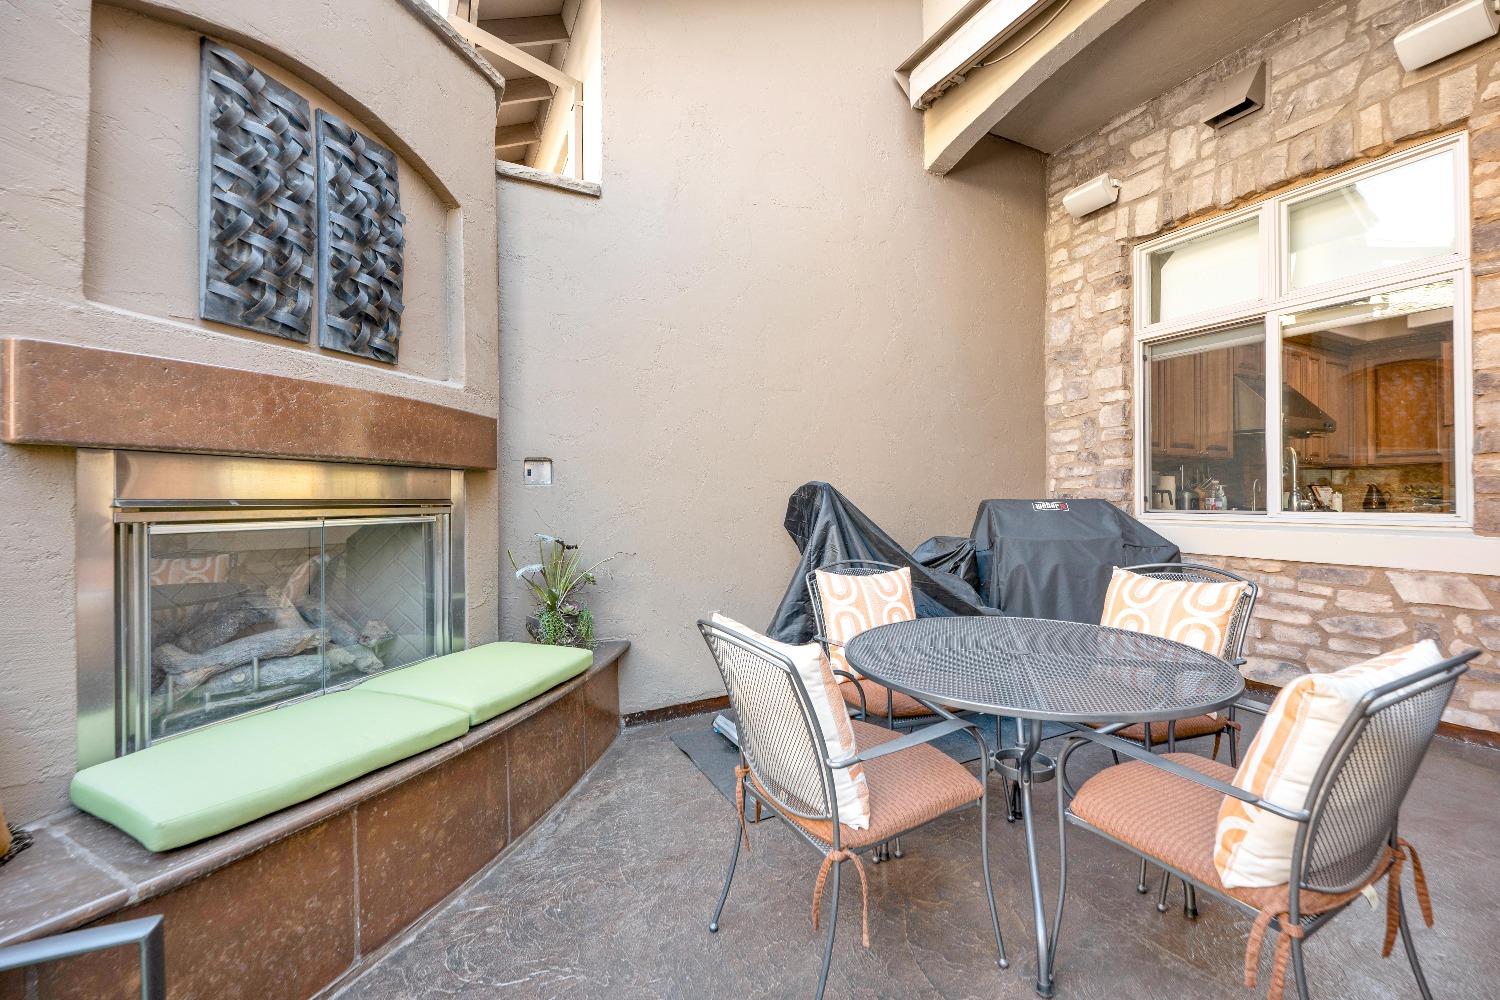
(1239, 623)
(778, 731)
(846, 567)
(1357, 795)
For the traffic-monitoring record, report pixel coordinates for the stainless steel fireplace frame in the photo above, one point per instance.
(119, 492)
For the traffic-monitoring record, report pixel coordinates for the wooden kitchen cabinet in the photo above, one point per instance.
(1337, 401)
(1407, 412)
(1302, 369)
(1215, 384)
(1324, 377)
(1192, 406)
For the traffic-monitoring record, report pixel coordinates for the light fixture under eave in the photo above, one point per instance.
(1091, 196)
(1450, 30)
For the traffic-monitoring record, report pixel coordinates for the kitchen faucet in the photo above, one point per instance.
(1294, 498)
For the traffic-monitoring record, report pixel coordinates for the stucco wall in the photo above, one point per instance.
(766, 293)
(98, 133)
(1335, 95)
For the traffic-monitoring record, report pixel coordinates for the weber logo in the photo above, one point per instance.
(1049, 505)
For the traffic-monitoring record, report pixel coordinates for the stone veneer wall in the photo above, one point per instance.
(1335, 95)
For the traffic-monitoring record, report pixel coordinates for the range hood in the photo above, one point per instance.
(1300, 416)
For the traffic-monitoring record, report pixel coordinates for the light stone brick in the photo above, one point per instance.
(1456, 94)
(1379, 85)
(1285, 615)
(1301, 636)
(1360, 600)
(1307, 601)
(1325, 660)
(1182, 147)
(1371, 128)
(1308, 46)
(1364, 626)
(1433, 588)
(1147, 216)
(1410, 113)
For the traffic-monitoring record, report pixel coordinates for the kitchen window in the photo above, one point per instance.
(1305, 359)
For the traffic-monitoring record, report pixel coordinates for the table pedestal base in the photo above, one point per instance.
(1008, 762)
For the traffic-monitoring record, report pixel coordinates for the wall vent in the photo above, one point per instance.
(1240, 95)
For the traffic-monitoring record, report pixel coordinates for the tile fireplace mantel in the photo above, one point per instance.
(81, 397)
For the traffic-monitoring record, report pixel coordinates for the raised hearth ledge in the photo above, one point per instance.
(84, 397)
(81, 869)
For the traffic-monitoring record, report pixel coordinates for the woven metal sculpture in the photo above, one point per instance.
(256, 199)
(360, 243)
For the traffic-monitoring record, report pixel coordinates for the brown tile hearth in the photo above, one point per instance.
(601, 713)
(545, 754)
(290, 903)
(422, 839)
(60, 394)
(279, 923)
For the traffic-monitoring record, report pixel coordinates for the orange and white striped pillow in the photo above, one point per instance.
(1194, 614)
(1252, 847)
(855, 604)
(828, 704)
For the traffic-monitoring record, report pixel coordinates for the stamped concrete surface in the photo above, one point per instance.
(610, 896)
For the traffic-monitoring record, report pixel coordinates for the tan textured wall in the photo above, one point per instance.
(768, 292)
(84, 108)
(1335, 95)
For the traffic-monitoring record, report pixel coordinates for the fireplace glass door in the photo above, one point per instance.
(222, 619)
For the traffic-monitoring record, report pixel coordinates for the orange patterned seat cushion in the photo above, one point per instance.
(907, 788)
(1173, 820)
(1186, 729)
(1194, 614)
(903, 706)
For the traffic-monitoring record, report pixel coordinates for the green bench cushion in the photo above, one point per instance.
(486, 680)
(203, 783)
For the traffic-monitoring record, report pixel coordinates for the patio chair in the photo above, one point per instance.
(1165, 808)
(860, 692)
(1198, 726)
(784, 766)
(1232, 650)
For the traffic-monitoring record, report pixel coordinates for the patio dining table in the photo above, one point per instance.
(1036, 671)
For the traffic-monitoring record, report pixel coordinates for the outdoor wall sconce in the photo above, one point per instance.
(1446, 32)
(1240, 95)
(1091, 196)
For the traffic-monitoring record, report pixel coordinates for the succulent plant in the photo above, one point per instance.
(554, 580)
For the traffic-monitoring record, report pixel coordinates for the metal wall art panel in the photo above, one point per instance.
(256, 199)
(360, 243)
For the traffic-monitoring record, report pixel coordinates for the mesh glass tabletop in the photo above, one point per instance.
(1038, 669)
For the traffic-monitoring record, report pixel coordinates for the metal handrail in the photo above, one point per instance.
(146, 933)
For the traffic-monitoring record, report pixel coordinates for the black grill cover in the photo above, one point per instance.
(828, 528)
(1052, 558)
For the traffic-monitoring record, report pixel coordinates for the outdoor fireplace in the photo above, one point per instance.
(213, 587)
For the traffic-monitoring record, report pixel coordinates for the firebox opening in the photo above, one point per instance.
(242, 585)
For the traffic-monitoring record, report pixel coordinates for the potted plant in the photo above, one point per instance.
(560, 618)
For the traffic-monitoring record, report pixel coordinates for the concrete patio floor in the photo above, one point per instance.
(611, 894)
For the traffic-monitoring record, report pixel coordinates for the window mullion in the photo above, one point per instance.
(1273, 414)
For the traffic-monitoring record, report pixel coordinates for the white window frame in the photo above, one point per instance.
(1277, 298)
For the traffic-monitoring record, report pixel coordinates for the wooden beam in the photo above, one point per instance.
(515, 135)
(525, 90)
(517, 57)
(525, 31)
